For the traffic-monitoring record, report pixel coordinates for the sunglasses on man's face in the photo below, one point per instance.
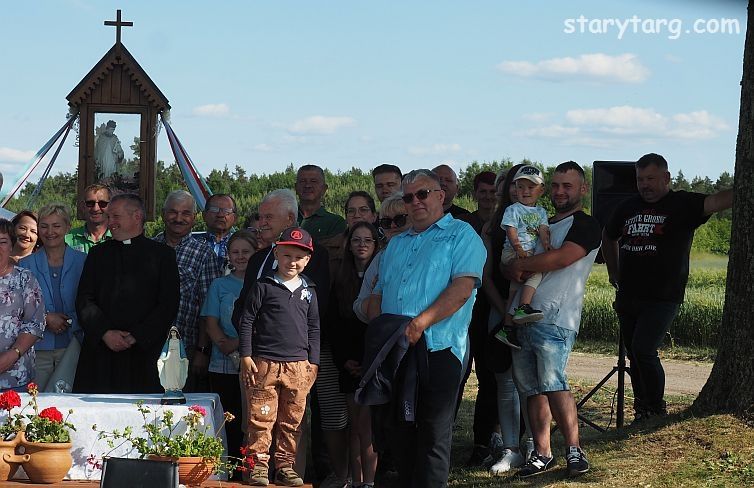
(398, 220)
(92, 203)
(421, 195)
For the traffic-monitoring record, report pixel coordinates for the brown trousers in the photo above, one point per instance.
(277, 400)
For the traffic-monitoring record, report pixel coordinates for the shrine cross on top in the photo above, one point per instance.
(118, 24)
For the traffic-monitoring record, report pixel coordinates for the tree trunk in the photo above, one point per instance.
(730, 387)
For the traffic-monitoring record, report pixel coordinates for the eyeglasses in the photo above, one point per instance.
(362, 241)
(421, 195)
(359, 210)
(220, 211)
(92, 203)
(399, 221)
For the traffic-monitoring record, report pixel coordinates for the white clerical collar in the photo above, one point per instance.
(127, 241)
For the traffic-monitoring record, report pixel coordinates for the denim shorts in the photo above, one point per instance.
(540, 365)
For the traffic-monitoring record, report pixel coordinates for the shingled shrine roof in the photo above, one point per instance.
(117, 79)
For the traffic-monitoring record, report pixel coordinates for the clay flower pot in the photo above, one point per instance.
(9, 460)
(192, 471)
(48, 462)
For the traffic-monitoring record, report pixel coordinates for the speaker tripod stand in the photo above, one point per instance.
(621, 369)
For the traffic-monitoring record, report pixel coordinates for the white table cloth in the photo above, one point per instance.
(110, 412)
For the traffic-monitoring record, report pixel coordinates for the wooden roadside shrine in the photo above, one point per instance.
(117, 85)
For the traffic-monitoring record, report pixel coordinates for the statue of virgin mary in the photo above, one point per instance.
(172, 366)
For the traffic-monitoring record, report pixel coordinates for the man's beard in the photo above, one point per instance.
(567, 206)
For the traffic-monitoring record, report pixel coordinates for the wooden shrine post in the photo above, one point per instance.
(117, 96)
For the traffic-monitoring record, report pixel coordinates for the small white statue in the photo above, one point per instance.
(172, 366)
(108, 153)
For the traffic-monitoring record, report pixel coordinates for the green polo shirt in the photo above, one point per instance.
(80, 240)
(322, 224)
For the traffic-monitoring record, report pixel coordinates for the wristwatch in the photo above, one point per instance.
(204, 349)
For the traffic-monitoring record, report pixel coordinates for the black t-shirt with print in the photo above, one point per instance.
(655, 241)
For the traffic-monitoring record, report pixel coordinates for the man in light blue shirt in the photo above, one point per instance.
(431, 272)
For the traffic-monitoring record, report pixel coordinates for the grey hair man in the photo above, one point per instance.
(198, 266)
(430, 273)
(278, 210)
(449, 184)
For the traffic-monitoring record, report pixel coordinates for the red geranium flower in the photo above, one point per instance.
(32, 388)
(9, 399)
(200, 410)
(51, 413)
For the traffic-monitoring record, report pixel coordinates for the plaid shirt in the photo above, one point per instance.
(197, 267)
(220, 248)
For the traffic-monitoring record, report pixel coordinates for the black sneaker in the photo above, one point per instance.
(507, 335)
(524, 314)
(577, 462)
(536, 464)
(478, 455)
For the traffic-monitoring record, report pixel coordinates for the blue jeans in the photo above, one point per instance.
(539, 366)
(643, 325)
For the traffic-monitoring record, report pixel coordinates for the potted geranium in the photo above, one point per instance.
(9, 437)
(46, 442)
(198, 450)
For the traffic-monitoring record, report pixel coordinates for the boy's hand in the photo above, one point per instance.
(521, 253)
(248, 368)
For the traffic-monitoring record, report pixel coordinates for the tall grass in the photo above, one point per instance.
(697, 322)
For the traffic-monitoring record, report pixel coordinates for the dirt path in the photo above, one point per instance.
(681, 377)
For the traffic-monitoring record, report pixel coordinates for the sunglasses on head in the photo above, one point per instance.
(421, 195)
(398, 220)
(101, 203)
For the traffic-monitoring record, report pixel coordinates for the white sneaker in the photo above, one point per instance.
(508, 461)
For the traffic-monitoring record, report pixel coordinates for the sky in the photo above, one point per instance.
(342, 84)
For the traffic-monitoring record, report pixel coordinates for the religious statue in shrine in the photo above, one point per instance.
(172, 366)
(108, 153)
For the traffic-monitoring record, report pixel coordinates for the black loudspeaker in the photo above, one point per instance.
(612, 182)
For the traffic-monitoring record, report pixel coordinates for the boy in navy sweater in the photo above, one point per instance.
(279, 348)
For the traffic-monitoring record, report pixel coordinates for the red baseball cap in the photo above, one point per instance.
(296, 236)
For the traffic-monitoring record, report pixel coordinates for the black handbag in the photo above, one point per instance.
(138, 473)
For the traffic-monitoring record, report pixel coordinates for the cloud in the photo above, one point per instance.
(601, 127)
(624, 119)
(624, 68)
(15, 155)
(320, 124)
(212, 110)
(538, 116)
(264, 148)
(434, 150)
(697, 125)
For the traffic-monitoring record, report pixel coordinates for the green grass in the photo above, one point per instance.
(677, 451)
(680, 353)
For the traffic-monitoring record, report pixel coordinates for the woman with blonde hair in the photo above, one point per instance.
(57, 267)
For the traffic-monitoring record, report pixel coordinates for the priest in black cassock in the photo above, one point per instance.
(127, 301)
